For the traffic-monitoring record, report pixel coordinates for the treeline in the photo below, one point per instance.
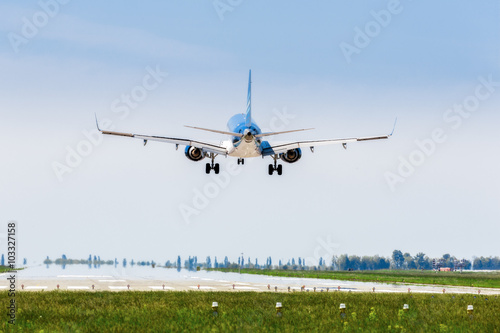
(343, 262)
(96, 262)
(487, 263)
(353, 262)
(398, 260)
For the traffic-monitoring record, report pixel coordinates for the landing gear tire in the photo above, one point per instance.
(212, 166)
(241, 160)
(275, 167)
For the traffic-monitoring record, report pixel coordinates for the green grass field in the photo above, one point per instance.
(63, 311)
(466, 278)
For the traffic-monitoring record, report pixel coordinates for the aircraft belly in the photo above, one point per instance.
(245, 150)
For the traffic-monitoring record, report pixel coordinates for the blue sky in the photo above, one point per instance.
(125, 200)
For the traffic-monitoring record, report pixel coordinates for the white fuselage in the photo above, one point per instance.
(246, 146)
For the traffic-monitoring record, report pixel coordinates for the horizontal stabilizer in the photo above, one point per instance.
(216, 131)
(275, 133)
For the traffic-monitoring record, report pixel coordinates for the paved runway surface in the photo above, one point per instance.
(161, 279)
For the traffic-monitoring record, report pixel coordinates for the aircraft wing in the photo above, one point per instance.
(205, 146)
(277, 149)
(281, 148)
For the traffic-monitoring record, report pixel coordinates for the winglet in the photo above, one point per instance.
(394, 127)
(97, 123)
(248, 117)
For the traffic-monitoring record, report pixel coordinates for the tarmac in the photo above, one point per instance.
(239, 283)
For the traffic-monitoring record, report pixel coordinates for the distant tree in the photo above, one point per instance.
(354, 262)
(334, 263)
(448, 260)
(397, 259)
(495, 263)
(366, 263)
(409, 262)
(385, 263)
(343, 262)
(420, 261)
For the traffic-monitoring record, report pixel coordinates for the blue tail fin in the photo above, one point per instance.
(248, 117)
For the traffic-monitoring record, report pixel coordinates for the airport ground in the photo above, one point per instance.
(466, 278)
(159, 299)
(173, 311)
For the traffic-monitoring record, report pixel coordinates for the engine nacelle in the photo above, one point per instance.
(194, 154)
(292, 155)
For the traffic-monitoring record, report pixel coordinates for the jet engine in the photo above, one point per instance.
(291, 156)
(194, 154)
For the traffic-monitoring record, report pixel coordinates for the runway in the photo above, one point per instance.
(282, 285)
(111, 278)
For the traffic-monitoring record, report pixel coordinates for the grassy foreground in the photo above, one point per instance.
(465, 279)
(74, 311)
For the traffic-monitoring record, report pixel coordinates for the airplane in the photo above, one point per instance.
(246, 141)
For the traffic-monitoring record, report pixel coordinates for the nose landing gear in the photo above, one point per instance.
(241, 160)
(276, 167)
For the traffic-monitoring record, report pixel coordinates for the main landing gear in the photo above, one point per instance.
(241, 160)
(212, 166)
(278, 168)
